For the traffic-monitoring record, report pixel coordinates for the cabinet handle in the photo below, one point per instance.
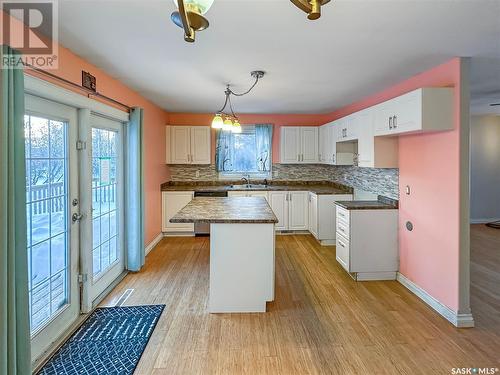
(341, 243)
(298, 157)
(333, 158)
(290, 194)
(390, 122)
(395, 122)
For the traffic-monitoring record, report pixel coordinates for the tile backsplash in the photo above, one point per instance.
(383, 181)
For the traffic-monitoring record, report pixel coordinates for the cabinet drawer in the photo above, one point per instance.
(342, 252)
(342, 215)
(343, 229)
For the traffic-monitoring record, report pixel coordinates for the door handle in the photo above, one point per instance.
(76, 217)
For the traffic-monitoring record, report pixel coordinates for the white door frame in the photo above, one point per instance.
(42, 338)
(93, 289)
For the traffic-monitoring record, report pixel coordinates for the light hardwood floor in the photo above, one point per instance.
(322, 322)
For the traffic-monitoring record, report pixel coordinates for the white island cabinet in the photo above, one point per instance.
(367, 240)
(242, 250)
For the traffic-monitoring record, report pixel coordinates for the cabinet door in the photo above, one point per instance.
(323, 144)
(342, 252)
(290, 144)
(173, 202)
(351, 127)
(407, 110)
(200, 145)
(366, 139)
(331, 145)
(279, 204)
(313, 214)
(180, 144)
(383, 118)
(298, 206)
(309, 144)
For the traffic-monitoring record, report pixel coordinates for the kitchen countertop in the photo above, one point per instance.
(226, 210)
(317, 187)
(383, 203)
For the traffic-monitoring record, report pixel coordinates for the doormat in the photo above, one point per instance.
(110, 341)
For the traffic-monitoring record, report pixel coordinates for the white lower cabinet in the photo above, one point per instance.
(322, 216)
(367, 243)
(173, 202)
(291, 208)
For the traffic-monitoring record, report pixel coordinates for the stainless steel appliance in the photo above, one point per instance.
(204, 229)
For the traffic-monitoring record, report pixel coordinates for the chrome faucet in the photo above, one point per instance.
(246, 179)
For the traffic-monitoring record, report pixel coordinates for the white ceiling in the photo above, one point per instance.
(355, 49)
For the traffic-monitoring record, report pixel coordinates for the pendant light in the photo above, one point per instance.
(229, 121)
(311, 7)
(189, 16)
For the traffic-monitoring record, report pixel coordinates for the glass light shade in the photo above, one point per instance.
(236, 127)
(217, 122)
(228, 124)
(201, 5)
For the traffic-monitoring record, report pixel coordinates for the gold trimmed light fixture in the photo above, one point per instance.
(311, 7)
(189, 16)
(229, 121)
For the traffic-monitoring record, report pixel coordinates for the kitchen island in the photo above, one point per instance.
(242, 250)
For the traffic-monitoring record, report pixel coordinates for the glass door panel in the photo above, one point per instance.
(51, 186)
(105, 253)
(105, 240)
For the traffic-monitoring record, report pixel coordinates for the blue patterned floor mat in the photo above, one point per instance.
(111, 341)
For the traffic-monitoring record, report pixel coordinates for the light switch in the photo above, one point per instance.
(408, 190)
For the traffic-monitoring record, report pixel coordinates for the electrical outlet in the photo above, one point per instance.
(197, 174)
(276, 173)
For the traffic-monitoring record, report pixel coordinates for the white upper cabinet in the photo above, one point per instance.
(422, 110)
(200, 145)
(299, 144)
(327, 143)
(347, 128)
(188, 144)
(180, 144)
(290, 144)
(309, 143)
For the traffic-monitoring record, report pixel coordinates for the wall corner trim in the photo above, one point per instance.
(150, 246)
(460, 320)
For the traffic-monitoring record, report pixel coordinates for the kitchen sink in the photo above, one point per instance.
(249, 186)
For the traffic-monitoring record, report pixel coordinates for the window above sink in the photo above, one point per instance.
(245, 154)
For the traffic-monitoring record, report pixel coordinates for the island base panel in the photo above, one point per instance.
(241, 267)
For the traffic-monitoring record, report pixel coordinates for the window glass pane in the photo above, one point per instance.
(39, 137)
(57, 137)
(58, 253)
(244, 155)
(46, 196)
(41, 262)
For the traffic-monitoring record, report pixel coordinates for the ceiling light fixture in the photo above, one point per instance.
(229, 121)
(189, 16)
(311, 7)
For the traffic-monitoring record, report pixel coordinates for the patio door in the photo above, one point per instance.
(105, 252)
(53, 236)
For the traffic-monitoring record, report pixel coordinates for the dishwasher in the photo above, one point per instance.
(203, 229)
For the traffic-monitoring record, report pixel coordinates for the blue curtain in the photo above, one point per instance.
(134, 191)
(264, 141)
(15, 354)
(223, 157)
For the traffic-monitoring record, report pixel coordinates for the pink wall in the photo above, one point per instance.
(155, 119)
(278, 121)
(430, 165)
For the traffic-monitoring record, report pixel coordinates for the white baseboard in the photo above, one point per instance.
(459, 320)
(153, 243)
(484, 220)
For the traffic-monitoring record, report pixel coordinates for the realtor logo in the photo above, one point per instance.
(30, 28)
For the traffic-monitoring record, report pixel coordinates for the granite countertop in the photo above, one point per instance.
(316, 187)
(226, 210)
(383, 203)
